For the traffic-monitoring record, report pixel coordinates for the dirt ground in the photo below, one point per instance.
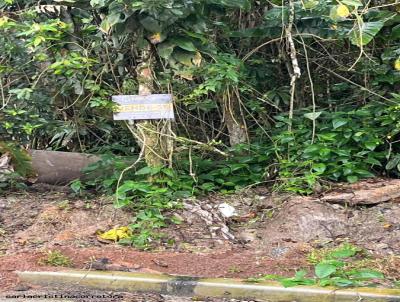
(270, 234)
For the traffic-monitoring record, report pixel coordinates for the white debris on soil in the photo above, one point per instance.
(212, 217)
(5, 166)
(227, 210)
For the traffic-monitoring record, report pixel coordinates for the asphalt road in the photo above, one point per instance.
(26, 294)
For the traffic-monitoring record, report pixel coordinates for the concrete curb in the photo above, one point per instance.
(199, 287)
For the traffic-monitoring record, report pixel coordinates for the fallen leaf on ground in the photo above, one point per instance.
(116, 234)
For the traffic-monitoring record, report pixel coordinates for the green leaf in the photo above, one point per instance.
(395, 32)
(298, 279)
(169, 172)
(185, 44)
(339, 122)
(208, 186)
(373, 161)
(300, 275)
(393, 162)
(76, 186)
(320, 168)
(243, 4)
(110, 21)
(344, 252)
(97, 3)
(342, 282)
(310, 4)
(105, 26)
(144, 171)
(325, 282)
(312, 115)
(184, 57)
(365, 32)
(165, 49)
(363, 173)
(151, 24)
(354, 3)
(323, 270)
(352, 178)
(38, 40)
(365, 274)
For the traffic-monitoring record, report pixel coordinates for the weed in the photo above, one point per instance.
(234, 269)
(56, 258)
(64, 205)
(344, 250)
(331, 268)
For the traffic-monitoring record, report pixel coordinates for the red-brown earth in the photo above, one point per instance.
(271, 234)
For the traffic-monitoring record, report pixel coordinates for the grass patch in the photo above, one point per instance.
(56, 258)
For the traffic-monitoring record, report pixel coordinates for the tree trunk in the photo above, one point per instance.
(157, 148)
(234, 118)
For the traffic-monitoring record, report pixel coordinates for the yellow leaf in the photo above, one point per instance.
(342, 11)
(3, 21)
(187, 75)
(197, 59)
(36, 27)
(156, 38)
(397, 64)
(116, 234)
(310, 4)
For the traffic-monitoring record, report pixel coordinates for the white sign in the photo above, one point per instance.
(143, 107)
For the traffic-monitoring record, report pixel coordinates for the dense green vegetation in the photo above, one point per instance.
(289, 93)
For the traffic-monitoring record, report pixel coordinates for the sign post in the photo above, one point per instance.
(143, 107)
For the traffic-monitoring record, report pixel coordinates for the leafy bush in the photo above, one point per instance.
(349, 145)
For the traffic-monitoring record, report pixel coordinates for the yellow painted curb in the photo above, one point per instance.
(199, 287)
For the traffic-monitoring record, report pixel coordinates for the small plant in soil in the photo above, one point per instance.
(56, 258)
(334, 267)
(234, 269)
(64, 205)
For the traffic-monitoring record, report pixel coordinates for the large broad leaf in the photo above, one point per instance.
(395, 32)
(111, 20)
(184, 43)
(319, 168)
(184, 57)
(165, 49)
(345, 251)
(323, 270)
(365, 32)
(393, 162)
(366, 274)
(313, 115)
(339, 122)
(151, 24)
